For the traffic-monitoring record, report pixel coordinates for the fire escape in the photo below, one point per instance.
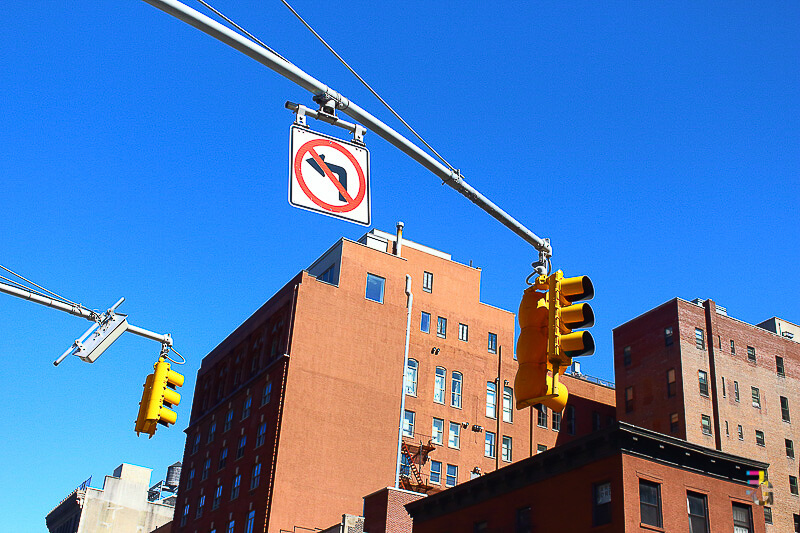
(415, 455)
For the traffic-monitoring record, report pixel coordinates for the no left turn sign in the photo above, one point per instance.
(329, 176)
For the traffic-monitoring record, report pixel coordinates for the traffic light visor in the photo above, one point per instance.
(577, 316)
(577, 343)
(577, 288)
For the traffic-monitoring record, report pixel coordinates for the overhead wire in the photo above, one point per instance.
(50, 294)
(367, 85)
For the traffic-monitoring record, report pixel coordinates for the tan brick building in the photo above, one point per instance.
(690, 370)
(297, 412)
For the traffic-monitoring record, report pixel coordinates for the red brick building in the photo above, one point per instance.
(690, 370)
(296, 414)
(621, 479)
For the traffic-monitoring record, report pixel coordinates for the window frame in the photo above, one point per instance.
(411, 378)
(542, 416)
(785, 416)
(448, 475)
(255, 476)
(702, 382)
(241, 446)
(674, 422)
(382, 282)
(438, 472)
(780, 368)
(793, 486)
(626, 356)
(456, 391)
(491, 343)
(629, 399)
(490, 444)
(440, 440)
(760, 436)
(440, 385)
(736, 390)
(491, 400)
(703, 498)
(507, 449)
(668, 340)
(705, 424)
(789, 445)
(508, 405)
(454, 435)
(441, 327)
(672, 383)
(699, 339)
(425, 326)
(463, 332)
(652, 507)
(755, 394)
(601, 510)
(408, 423)
(751, 354)
(571, 422)
(427, 281)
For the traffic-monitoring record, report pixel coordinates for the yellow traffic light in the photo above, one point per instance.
(532, 383)
(159, 395)
(566, 315)
(547, 343)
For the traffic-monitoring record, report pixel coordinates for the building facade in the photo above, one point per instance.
(621, 479)
(297, 413)
(121, 506)
(690, 370)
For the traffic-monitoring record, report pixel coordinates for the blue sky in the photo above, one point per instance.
(658, 146)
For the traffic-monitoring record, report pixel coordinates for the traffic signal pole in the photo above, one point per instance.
(92, 316)
(330, 100)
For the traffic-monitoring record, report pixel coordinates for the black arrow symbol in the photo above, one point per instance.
(339, 172)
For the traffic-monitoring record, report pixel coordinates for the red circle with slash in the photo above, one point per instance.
(310, 148)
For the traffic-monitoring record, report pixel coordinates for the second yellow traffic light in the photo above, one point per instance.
(159, 395)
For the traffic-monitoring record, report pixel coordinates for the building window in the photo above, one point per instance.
(789, 448)
(411, 377)
(673, 423)
(251, 518)
(441, 327)
(427, 282)
(736, 390)
(200, 503)
(556, 421)
(671, 383)
(489, 444)
(785, 409)
(742, 518)
(699, 340)
(705, 421)
(740, 431)
(629, 399)
(463, 332)
(626, 356)
(375, 285)
(185, 514)
(261, 435)
(492, 347)
(211, 431)
(756, 397)
(240, 448)
(217, 498)
(506, 451)
(727, 431)
(508, 401)
(228, 420)
(760, 437)
(571, 419)
(436, 472)
(454, 439)
(437, 433)
(793, 485)
(698, 512)
(405, 465)
(452, 476)
(724, 392)
(779, 366)
(768, 515)
(196, 444)
(327, 276)
(702, 377)
(255, 478)
(595, 421)
(650, 503)
(797, 523)
(733, 348)
(190, 481)
(231, 526)
(541, 448)
(601, 503)
(425, 322)
(455, 390)
(523, 522)
(438, 384)
(541, 416)
(668, 336)
(247, 404)
(223, 458)
(751, 354)
(206, 468)
(267, 395)
(408, 423)
(237, 481)
(491, 399)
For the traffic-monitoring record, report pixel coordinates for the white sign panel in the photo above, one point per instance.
(329, 176)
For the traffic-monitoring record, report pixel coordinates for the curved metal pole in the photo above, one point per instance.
(311, 84)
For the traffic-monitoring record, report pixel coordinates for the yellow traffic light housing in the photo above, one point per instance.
(159, 395)
(547, 343)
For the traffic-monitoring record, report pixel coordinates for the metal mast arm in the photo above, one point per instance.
(319, 89)
(81, 311)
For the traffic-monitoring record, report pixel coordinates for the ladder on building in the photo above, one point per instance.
(411, 465)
